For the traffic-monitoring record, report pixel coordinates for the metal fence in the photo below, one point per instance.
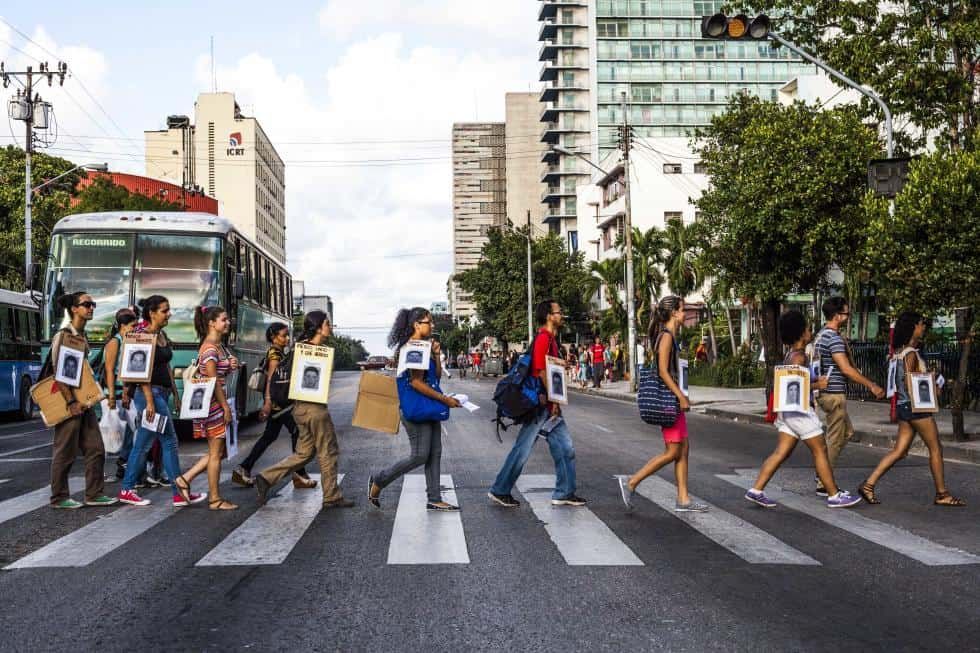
(872, 359)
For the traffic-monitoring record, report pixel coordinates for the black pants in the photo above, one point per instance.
(272, 429)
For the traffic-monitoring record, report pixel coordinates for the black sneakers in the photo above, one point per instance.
(571, 500)
(504, 500)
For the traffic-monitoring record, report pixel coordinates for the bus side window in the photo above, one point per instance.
(12, 321)
(23, 326)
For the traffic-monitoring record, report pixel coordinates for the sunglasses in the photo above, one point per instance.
(87, 304)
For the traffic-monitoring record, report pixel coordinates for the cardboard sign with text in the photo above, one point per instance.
(309, 379)
(377, 407)
(46, 393)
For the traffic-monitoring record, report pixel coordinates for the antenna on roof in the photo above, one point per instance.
(214, 79)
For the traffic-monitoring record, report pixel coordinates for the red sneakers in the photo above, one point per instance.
(133, 499)
(180, 502)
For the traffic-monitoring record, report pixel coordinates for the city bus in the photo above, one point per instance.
(192, 259)
(20, 351)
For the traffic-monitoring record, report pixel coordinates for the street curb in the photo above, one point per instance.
(868, 438)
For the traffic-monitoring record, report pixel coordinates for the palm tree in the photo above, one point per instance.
(648, 276)
(608, 275)
(681, 250)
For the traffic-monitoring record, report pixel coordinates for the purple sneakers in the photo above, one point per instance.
(842, 499)
(760, 499)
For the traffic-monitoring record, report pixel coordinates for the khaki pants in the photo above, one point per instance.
(839, 428)
(317, 437)
(74, 434)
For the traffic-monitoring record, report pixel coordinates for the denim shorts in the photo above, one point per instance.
(904, 413)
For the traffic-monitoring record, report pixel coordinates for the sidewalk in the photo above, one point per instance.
(870, 419)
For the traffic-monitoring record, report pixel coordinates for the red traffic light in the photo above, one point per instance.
(720, 26)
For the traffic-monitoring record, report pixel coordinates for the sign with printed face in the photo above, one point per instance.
(414, 355)
(555, 380)
(71, 356)
(310, 377)
(196, 402)
(137, 357)
(231, 433)
(921, 387)
(890, 387)
(682, 372)
(792, 389)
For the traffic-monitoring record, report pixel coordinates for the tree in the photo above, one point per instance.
(347, 352)
(499, 281)
(784, 201)
(648, 277)
(103, 195)
(926, 256)
(921, 56)
(681, 245)
(608, 275)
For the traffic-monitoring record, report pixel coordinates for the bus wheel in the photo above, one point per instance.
(25, 408)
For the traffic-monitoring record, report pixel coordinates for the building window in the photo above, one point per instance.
(673, 215)
(573, 241)
(700, 168)
(672, 168)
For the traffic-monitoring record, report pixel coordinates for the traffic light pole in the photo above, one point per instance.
(889, 133)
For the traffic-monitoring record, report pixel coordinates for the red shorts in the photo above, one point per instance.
(677, 432)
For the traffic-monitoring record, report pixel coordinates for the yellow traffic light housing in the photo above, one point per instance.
(734, 28)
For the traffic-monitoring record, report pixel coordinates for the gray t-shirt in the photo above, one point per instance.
(829, 342)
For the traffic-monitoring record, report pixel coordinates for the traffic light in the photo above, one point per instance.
(735, 28)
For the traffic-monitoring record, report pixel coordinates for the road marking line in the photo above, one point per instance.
(96, 539)
(749, 543)
(4, 480)
(25, 503)
(886, 535)
(602, 428)
(421, 537)
(22, 435)
(24, 460)
(271, 533)
(17, 451)
(581, 537)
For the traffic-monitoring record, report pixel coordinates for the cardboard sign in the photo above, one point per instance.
(377, 406)
(555, 380)
(310, 377)
(137, 354)
(71, 353)
(890, 386)
(196, 402)
(46, 393)
(791, 386)
(414, 355)
(682, 372)
(231, 431)
(923, 395)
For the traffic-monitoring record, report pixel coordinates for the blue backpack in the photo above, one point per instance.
(517, 394)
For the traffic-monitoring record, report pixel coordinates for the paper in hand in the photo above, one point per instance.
(157, 425)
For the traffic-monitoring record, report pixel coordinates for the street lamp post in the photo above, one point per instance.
(29, 205)
(627, 252)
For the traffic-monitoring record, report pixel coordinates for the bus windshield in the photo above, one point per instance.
(185, 270)
(117, 269)
(98, 264)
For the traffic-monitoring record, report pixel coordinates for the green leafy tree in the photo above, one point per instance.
(607, 277)
(681, 247)
(784, 201)
(499, 281)
(103, 195)
(649, 250)
(347, 352)
(927, 256)
(921, 56)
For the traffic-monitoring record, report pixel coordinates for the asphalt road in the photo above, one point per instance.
(904, 575)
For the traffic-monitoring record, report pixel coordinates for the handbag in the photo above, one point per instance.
(657, 404)
(257, 379)
(415, 406)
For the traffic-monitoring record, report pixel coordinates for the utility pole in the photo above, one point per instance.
(28, 107)
(625, 144)
(530, 285)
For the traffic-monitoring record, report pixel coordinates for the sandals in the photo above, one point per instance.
(221, 504)
(948, 500)
(185, 490)
(374, 499)
(867, 492)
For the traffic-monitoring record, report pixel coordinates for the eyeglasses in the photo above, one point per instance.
(556, 313)
(87, 304)
(424, 322)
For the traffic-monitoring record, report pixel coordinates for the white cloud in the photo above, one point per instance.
(342, 19)
(380, 91)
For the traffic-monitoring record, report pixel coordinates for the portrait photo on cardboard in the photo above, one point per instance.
(555, 385)
(309, 378)
(70, 364)
(791, 387)
(414, 355)
(196, 400)
(922, 391)
(136, 357)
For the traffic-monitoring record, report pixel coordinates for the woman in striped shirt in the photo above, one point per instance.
(212, 324)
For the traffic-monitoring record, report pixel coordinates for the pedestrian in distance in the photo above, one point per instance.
(461, 364)
(424, 438)
(792, 427)
(213, 361)
(546, 421)
(275, 417)
(477, 364)
(123, 324)
(598, 358)
(583, 366)
(80, 432)
(910, 328)
(668, 316)
(153, 399)
(834, 355)
(317, 435)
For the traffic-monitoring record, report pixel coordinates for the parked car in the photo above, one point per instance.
(494, 366)
(373, 363)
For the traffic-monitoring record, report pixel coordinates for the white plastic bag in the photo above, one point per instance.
(128, 419)
(112, 429)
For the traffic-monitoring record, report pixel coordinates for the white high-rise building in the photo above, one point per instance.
(230, 157)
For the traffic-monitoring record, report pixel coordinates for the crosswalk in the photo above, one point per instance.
(583, 538)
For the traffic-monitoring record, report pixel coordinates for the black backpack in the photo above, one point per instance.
(279, 383)
(517, 394)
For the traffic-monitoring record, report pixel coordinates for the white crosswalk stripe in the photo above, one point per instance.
(581, 537)
(421, 537)
(4, 480)
(271, 533)
(737, 535)
(886, 535)
(96, 539)
(25, 503)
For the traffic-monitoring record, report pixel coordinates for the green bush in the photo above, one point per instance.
(739, 371)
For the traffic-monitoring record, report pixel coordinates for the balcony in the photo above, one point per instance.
(549, 28)
(550, 49)
(549, 71)
(551, 113)
(556, 214)
(555, 193)
(549, 8)
(552, 133)
(552, 174)
(550, 91)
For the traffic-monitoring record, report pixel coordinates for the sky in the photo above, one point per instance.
(360, 95)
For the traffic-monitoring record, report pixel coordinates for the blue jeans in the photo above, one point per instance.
(144, 440)
(562, 451)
